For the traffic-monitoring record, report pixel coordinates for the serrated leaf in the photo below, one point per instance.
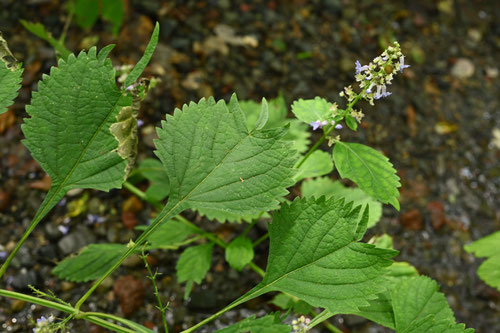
(369, 169)
(223, 216)
(214, 163)
(334, 189)
(488, 247)
(419, 307)
(311, 110)
(143, 62)
(318, 164)
(91, 263)
(298, 133)
(113, 11)
(10, 82)
(10, 76)
(94, 260)
(193, 264)
(39, 30)
(68, 132)
(314, 255)
(125, 132)
(239, 252)
(266, 324)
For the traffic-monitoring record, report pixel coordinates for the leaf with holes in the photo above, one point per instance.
(315, 255)
(369, 169)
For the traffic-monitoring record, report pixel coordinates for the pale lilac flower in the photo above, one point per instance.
(338, 126)
(402, 63)
(382, 92)
(95, 219)
(369, 90)
(360, 68)
(129, 88)
(318, 124)
(140, 122)
(63, 229)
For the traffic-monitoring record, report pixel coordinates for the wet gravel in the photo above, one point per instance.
(437, 128)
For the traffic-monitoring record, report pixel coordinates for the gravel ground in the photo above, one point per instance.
(437, 128)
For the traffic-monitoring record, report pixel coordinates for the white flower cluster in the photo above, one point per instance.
(43, 325)
(377, 75)
(300, 325)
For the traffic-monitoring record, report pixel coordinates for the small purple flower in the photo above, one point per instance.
(338, 126)
(382, 92)
(129, 88)
(360, 68)
(402, 64)
(140, 122)
(369, 90)
(318, 124)
(3, 255)
(63, 229)
(95, 219)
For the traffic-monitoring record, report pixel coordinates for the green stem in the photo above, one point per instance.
(201, 232)
(152, 277)
(167, 213)
(261, 239)
(52, 197)
(141, 195)
(325, 135)
(91, 317)
(256, 268)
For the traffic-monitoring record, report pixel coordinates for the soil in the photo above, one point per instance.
(437, 128)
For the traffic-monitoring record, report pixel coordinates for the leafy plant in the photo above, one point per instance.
(231, 162)
(488, 247)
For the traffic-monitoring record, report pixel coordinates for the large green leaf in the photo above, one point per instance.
(368, 168)
(419, 307)
(69, 129)
(90, 263)
(267, 324)
(315, 255)
(311, 110)
(10, 76)
(329, 188)
(214, 162)
(239, 252)
(488, 247)
(318, 164)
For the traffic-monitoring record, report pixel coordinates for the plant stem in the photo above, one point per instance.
(256, 268)
(152, 277)
(141, 195)
(91, 317)
(261, 239)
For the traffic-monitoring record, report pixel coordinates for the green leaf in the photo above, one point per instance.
(153, 170)
(351, 123)
(143, 62)
(369, 169)
(488, 247)
(263, 117)
(267, 324)
(39, 30)
(10, 76)
(310, 110)
(92, 262)
(419, 307)
(86, 12)
(113, 11)
(239, 252)
(315, 256)
(318, 164)
(214, 163)
(69, 129)
(193, 264)
(298, 133)
(287, 302)
(223, 216)
(334, 189)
